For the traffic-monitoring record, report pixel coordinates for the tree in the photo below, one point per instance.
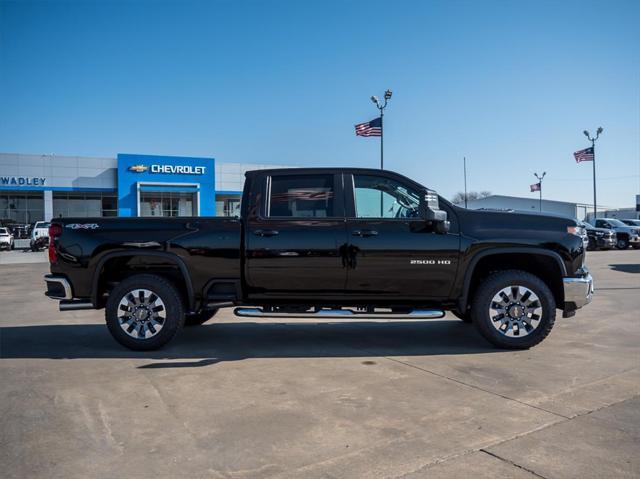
(458, 198)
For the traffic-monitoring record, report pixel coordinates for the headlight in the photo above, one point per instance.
(575, 230)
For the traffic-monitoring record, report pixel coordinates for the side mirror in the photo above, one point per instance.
(430, 212)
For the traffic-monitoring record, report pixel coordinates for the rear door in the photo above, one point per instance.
(294, 242)
(392, 253)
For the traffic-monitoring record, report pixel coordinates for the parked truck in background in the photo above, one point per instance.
(324, 242)
(626, 235)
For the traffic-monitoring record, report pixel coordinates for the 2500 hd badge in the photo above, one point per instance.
(430, 261)
(324, 242)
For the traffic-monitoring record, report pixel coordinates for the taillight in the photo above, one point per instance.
(54, 232)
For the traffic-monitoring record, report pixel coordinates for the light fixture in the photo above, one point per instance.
(387, 94)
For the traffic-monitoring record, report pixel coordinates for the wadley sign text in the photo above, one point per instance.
(21, 181)
(170, 169)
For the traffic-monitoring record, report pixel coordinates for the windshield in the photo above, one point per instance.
(42, 224)
(588, 225)
(3, 231)
(615, 222)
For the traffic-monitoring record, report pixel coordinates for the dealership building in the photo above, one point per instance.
(42, 187)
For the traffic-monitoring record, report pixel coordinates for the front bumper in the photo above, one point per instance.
(578, 291)
(634, 240)
(607, 242)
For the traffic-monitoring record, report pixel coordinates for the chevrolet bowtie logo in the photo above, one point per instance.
(138, 168)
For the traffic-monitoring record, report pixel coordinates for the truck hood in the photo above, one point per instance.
(514, 225)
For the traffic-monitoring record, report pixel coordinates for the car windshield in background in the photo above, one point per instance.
(4, 232)
(588, 225)
(615, 222)
(43, 225)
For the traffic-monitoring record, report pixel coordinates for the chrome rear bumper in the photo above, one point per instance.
(578, 292)
(58, 287)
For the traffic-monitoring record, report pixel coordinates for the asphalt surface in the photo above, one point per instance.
(298, 399)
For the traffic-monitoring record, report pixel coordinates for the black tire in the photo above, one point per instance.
(635, 246)
(200, 318)
(491, 286)
(592, 245)
(464, 317)
(172, 308)
(622, 243)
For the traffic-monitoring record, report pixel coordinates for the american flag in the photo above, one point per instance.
(370, 128)
(536, 187)
(584, 155)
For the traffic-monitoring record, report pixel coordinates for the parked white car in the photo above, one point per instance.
(39, 235)
(6, 239)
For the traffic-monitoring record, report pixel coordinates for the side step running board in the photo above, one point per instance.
(340, 313)
(75, 305)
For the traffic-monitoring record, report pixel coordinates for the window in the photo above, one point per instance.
(167, 203)
(22, 208)
(380, 197)
(84, 205)
(302, 196)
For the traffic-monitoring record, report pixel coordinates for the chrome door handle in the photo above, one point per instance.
(264, 233)
(365, 233)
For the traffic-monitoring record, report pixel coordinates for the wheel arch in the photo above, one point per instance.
(545, 264)
(96, 285)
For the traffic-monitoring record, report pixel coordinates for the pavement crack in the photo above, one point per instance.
(500, 458)
(443, 376)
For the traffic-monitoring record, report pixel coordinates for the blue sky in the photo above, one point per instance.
(509, 84)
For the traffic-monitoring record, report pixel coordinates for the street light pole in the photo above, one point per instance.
(381, 107)
(593, 149)
(464, 159)
(544, 173)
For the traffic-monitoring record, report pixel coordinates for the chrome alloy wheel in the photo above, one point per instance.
(141, 313)
(515, 311)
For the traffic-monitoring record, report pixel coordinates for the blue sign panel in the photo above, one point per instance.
(138, 173)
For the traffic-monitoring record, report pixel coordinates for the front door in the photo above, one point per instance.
(295, 243)
(392, 252)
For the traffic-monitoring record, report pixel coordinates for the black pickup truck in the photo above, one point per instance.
(324, 242)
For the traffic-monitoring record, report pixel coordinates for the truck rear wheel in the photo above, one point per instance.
(144, 312)
(513, 309)
(200, 318)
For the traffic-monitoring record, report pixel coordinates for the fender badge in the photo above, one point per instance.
(82, 226)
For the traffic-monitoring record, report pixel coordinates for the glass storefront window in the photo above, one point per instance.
(21, 207)
(167, 203)
(84, 205)
(228, 205)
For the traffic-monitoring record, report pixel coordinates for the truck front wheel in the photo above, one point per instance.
(144, 312)
(513, 309)
(623, 243)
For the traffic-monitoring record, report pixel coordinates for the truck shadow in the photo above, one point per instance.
(626, 268)
(213, 343)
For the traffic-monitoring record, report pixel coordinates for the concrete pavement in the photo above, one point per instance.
(300, 399)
